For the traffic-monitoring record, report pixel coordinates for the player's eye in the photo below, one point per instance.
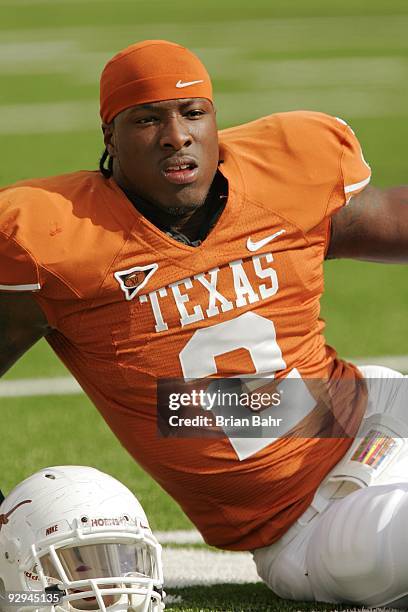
(145, 120)
(195, 113)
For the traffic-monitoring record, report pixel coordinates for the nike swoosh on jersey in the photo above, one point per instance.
(180, 83)
(255, 246)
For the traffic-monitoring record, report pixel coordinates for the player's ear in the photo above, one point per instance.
(109, 138)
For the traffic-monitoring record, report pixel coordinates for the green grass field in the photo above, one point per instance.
(347, 58)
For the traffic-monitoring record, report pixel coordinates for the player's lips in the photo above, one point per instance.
(179, 170)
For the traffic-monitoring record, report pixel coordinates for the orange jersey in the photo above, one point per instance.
(129, 304)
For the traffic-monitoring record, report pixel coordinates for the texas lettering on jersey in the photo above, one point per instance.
(244, 294)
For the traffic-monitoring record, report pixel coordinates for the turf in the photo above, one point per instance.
(344, 57)
(39, 432)
(244, 598)
(240, 598)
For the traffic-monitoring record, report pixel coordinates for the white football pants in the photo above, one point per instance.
(351, 544)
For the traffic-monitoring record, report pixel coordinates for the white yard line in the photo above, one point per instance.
(59, 117)
(37, 53)
(29, 387)
(182, 536)
(66, 385)
(187, 567)
(54, 2)
(83, 115)
(40, 3)
(348, 103)
(395, 362)
(283, 31)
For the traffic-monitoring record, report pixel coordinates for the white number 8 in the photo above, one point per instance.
(256, 334)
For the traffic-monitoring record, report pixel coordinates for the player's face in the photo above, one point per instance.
(166, 152)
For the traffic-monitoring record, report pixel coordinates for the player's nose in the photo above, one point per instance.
(175, 134)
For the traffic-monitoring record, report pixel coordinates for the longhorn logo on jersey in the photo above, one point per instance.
(131, 281)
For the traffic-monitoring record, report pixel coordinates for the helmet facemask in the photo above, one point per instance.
(112, 572)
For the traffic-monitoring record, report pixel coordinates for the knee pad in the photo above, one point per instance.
(358, 551)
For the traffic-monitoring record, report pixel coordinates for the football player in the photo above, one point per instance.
(191, 254)
(73, 538)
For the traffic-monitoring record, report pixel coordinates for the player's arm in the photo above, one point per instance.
(22, 323)
(372, 227)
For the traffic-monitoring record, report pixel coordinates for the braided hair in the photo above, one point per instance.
(106, 171)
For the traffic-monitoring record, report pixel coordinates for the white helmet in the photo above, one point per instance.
(80, 531)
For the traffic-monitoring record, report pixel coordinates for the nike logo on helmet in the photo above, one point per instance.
(181, 84)
(255, 246)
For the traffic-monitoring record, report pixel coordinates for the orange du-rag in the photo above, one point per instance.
(151, 71)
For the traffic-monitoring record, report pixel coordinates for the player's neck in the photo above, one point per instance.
(194, 225)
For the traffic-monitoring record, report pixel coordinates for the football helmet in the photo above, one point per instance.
(76, 533)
